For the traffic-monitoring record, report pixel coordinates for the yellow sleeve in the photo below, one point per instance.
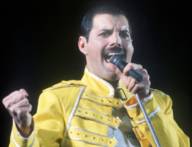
(159, 109)
(48, 124)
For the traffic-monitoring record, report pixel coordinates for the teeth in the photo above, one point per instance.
(109, 54)
(112, 54)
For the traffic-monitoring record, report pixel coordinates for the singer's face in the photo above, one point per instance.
(108, 32)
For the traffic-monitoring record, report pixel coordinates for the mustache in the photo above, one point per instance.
(108, 53)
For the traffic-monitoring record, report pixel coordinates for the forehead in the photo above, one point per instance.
(108, 21)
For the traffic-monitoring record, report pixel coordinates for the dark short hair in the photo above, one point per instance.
(87, 20)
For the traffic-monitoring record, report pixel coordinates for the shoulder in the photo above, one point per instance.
(162, 98)
(65, 85)
(64, 88)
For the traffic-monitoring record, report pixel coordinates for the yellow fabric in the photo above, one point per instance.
(79, 114)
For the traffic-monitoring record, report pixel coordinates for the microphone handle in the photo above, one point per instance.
(121, 65)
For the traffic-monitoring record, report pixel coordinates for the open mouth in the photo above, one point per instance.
(108, 54)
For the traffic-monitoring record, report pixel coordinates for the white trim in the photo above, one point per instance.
(152, 114)
(74, 108)
(14, 141)
(32, 142)
(89, 142)
(131, 106)
(107, 84)
(84, 130)
(105, 144)
(148, 98)
(19, 134)
(97, 112)
(22, 137)
(113, 125)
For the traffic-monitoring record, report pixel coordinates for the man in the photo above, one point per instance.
(100, 109)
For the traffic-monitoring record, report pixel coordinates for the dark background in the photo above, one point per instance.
(39, 48)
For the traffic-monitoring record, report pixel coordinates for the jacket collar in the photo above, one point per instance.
(97, 85)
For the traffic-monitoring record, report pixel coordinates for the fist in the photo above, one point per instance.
(140, 87)
(19, 108)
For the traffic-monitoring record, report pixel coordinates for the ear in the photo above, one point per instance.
(82, 44)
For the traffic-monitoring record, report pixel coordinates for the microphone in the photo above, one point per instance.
(116, 60)
(120, 63)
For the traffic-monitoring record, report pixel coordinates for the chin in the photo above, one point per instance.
(111, 77)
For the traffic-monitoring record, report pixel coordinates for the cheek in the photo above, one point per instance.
(96, 47)
(94, 53)
(130, 51)
(98, 42)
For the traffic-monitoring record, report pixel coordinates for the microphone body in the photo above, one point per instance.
(116, 60)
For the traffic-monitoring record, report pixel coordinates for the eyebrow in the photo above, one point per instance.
(106, 29)
(124, 29)
(110, 29)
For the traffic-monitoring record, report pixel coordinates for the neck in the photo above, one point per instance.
(114, 83)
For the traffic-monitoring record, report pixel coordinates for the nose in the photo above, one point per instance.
(115, 40)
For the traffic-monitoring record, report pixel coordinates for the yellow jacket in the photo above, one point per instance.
(79, 114)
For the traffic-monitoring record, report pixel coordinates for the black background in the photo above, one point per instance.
(39, 48)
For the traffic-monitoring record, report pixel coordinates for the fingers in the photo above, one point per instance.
(132, 66)
(14, 97)
(139, 68)
(137, 88)
(134, 86)
(129, 82)
(18, 106)
(22, 106)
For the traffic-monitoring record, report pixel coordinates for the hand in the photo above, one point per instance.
(19, 108)
(142, 88)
